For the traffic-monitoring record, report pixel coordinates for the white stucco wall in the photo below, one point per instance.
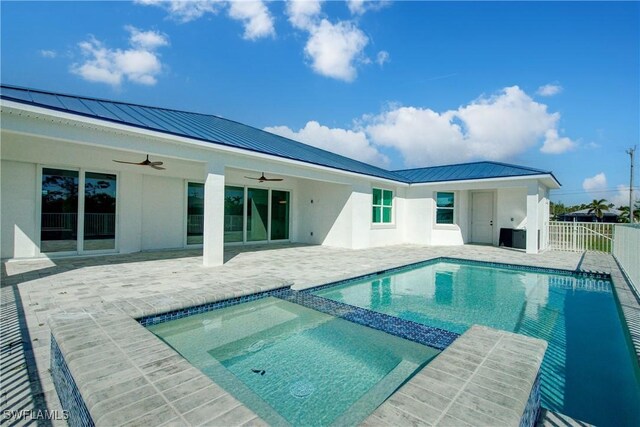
(512, 208)
(163, 212)
(324, 214)
(152, 204)
(18, 209)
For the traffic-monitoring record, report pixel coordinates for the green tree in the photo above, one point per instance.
(624, 216)
(598, 207)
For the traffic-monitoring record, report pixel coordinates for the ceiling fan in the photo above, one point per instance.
(147, 162)
(264, 178)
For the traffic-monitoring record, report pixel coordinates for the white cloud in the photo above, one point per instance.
(595, 183)
(353, 144)
(549, 90)
(253, 14)
(423, 136)
(382, 57)
(255, 17)
(334, 48)
(497, 127)
(621, 196)
(45, 53)
(147, 40)
(185, 10)
(303, 14)
(139, 64)
(553, 144)
(360, 7)
(597, 187)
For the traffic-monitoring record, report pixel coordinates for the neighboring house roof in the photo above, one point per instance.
(467, 171)
(585, 212)
(217, 130)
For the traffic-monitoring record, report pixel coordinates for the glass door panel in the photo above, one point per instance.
(59, 212)
(279, 215)
(99, 211)
(233, 207)
(257, 214)
(195, 213)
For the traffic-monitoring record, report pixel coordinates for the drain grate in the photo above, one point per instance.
(302, 389)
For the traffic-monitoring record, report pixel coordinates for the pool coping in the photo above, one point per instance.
(486, 377)
(107, 394)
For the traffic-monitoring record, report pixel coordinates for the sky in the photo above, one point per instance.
(550, 85)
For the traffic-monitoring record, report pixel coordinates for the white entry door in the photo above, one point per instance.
(482, 218)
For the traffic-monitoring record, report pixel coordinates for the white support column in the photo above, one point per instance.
(213, 234)
(532, 218)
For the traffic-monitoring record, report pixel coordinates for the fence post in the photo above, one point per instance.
(574, 234)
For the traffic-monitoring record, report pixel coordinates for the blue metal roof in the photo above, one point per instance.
(216, 130)
(203, 127)
(467, 171)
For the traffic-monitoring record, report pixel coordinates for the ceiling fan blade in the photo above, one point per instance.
(272, 179)
(155, 163)
(157, 167)
(248, 177)
(129, 163)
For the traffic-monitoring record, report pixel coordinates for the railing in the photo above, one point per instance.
(99, 224)
(95, 224)
(59, 222)
(580, 236)
(626, 247)
(195, 224)
(234, 223)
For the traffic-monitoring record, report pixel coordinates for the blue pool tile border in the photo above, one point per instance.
(416, 332)
(532, 409)
(67, 389)
(154, 319)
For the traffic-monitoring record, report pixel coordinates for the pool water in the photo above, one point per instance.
(589, 370)
(294, 365)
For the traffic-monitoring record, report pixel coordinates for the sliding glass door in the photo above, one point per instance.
(279, 215)
(255, 214)
(99, 211)
(72, 221)
(59, 211)
(233, 214)
(195, 213)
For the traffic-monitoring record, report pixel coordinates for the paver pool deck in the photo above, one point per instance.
(151, 282)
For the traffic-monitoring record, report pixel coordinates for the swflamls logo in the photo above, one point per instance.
(28, 414)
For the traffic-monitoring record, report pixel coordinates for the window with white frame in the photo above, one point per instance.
(382, 209)
(445, 206)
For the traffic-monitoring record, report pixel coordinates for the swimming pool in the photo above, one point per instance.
(589, 371)
(294, 365)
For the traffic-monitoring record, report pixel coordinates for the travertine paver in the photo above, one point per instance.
(149, 282)
(485, 377)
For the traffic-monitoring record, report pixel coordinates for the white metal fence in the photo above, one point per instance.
(95, 224)
(580, 236)
(626, 249)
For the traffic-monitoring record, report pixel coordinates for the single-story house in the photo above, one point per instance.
(583, 215)
(83, 176)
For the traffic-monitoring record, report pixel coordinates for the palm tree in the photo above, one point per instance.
(624, 216)
(598, 207)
